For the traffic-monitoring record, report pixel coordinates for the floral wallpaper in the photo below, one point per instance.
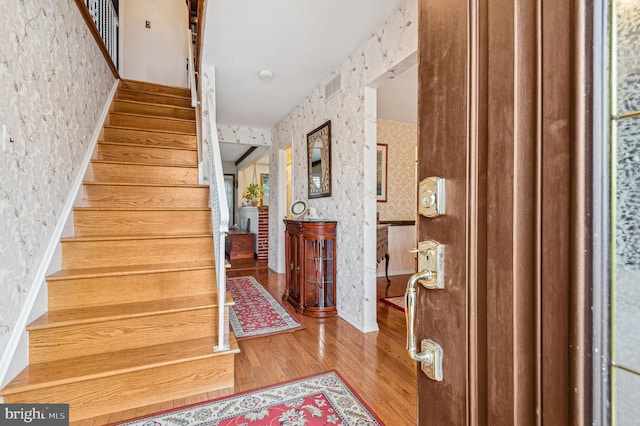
(401, 140)
(352, 202)
(54, 83)
(245, 135)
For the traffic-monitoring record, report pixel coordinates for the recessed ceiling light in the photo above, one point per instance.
(265, 75)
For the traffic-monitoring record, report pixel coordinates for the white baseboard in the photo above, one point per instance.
(16, 355)
(353, 322)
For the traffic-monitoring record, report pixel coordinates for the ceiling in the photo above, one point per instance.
(398, 97)
(301, 42)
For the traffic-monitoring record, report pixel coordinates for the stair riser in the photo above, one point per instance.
(95, 254)
(152, 123)
(105, 395)
(143, 86)
(87, 292)
(153, 98)
(147, 155)
(89, 339)
(141, 196)
(152, 109)
(148, 138)
(131, 222)
(129, 173)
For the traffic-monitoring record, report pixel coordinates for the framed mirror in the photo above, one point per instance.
(319, 161)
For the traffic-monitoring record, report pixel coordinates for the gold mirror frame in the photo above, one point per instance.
(319, 161)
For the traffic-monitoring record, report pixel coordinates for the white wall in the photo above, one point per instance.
(157, 54)
(401, 261)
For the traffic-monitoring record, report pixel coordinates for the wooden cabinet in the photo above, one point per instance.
(310, 248)
(239, 245)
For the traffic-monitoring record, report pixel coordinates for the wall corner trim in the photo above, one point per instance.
(7, 361)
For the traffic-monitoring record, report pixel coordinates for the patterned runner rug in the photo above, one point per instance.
(256, 313)
(395, 301)
(323, 399)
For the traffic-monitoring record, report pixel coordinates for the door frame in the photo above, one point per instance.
(523, 90)
(601, 222)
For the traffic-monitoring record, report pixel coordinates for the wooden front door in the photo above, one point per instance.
(501, 120)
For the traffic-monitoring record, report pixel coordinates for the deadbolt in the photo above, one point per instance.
(431, 197)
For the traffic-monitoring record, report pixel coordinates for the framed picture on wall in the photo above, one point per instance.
(381, 172)
(264, 183)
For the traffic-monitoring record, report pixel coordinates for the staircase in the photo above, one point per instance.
(133, 313)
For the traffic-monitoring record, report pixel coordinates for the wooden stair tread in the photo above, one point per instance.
(169, 132)
(94, 314)
(154, 104)
(153, 84)
(154, 117)
(160, 185)
(150, 87)
(55, 373)
(142, 209)
(87, 238)
(144, 92)
(140, 164)
(114, 271)
(141, 145)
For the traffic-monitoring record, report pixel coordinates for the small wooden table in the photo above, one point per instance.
(382, 248)
(240, 245)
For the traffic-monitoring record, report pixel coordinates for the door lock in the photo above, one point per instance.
(431, 258)
(431, 197)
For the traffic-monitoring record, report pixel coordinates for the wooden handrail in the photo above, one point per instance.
(198, 53)
(84, 11)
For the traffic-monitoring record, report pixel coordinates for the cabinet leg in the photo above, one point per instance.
(386, 267)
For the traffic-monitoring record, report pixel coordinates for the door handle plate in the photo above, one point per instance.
(433, 366)
(431, 258)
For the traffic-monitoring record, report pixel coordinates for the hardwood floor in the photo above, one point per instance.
(376, 364)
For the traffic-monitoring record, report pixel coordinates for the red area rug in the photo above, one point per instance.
(256, 313)
(323, 399)
(395, 301)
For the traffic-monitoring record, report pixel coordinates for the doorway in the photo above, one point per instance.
(396, 142)
(285, 186)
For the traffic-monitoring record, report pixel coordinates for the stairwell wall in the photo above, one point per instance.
(54, 83)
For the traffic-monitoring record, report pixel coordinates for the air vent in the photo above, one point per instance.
(333, 87)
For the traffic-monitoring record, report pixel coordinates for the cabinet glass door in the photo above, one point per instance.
(319, 277)
(293, 269)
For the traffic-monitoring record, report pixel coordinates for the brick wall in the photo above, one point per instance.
(263, 233)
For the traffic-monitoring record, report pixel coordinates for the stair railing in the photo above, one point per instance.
(220, 215)
(191, 69)
(193, 85)
(212, 170)
(101, 17)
